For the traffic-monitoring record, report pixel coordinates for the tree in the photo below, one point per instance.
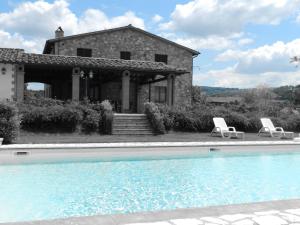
(198, 97)
(260, 96)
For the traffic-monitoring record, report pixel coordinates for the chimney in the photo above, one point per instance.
(59, 33)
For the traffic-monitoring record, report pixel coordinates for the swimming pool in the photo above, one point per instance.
(64, 189)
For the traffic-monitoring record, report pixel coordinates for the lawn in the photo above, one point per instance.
(34, 138)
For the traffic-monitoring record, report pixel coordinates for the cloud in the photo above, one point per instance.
(268, 64)
(212, 42)
(267, 58)
(220, 24)
(157, 18)
(230, 78)
(17, 41)
(31, 21)
(245, 41)
(39, 18)
(227, 17)
(90, 21)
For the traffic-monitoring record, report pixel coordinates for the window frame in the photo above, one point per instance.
(86, 52)
(126, 54)
(161, 58)
(160, 94)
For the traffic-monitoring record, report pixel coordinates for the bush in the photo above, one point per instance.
(167, 115)
(155, 118)
(107, 117)
(90, 121)
(41, 102)
(9, 123)
(234, 119)
(54, 118)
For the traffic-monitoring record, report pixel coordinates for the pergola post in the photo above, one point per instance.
(125, 91)
(19, 82)
(170, 89)
(75, 83)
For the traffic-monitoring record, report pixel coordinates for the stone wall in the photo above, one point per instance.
(142, 47)
(7, 80)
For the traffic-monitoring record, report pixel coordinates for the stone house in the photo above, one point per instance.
(125, 65)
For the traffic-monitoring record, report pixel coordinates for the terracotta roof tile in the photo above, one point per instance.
(20, 57)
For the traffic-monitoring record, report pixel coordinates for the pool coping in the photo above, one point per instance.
(148, 217)
(147, 144)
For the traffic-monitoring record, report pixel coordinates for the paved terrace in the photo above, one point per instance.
(44, 138)
(267, 213)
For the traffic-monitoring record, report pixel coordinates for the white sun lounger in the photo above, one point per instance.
(221, 129)
(270, 130)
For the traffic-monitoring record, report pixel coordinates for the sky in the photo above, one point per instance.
(243, 43)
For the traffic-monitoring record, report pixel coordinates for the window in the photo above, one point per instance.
(161, 58)
(160, 94)
(84, 52)
(125, 55)
(3, 71)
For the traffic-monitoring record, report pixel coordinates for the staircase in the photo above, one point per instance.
(131, 124)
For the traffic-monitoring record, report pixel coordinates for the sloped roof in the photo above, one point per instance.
(18, 56)
(51, 41)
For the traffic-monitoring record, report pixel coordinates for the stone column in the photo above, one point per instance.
(20, 74)
(170, 89)
(125, 91)
(75, 84)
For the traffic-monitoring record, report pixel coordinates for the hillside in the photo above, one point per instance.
(215, 91)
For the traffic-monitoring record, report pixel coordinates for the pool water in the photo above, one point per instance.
(58, 190)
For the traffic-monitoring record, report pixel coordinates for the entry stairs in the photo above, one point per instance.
(131, 124)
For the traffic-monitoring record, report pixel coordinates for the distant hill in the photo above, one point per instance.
(215, 91)
(282, 93)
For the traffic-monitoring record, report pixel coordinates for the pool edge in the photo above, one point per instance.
(148, 217)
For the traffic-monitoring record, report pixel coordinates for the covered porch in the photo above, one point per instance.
(127, 84)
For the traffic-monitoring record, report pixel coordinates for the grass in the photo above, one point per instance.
(40, 138)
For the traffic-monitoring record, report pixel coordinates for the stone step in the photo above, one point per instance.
(132, 128)
(132, 132)
(129, 114)
(130, 118)
(131, 124)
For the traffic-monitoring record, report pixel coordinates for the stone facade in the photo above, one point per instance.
(142, 47)
(7, 81)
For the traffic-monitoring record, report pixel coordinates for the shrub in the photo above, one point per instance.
(41, 102)
(184, 121)
(107, 117)
(292, 122)
(55, 118)
(69, 118)
(155, 118)
(90, 121)
(9, 123)
(167, 115)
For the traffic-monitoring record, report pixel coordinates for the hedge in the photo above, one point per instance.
(9, 122)
(107, 117)
(199, 118)
(51, 119)
(90, 121)
(155, 117)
